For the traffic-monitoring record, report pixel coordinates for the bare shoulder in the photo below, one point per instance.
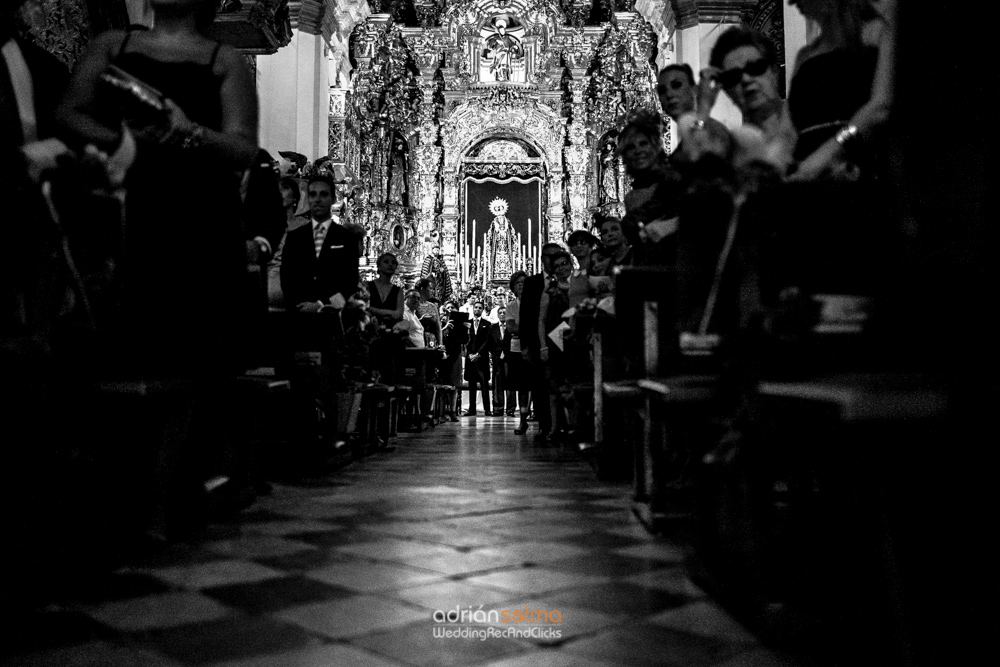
(230, 61)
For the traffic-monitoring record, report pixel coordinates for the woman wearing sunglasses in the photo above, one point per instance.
(744, 64)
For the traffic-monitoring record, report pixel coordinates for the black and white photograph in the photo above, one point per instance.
(497, 333)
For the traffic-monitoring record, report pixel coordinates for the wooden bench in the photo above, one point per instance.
(375, 425)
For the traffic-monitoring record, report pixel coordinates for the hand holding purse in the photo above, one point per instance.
(137, 99)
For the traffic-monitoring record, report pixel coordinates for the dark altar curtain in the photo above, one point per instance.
(523, 198)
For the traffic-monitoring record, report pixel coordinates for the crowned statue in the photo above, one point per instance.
(503, 256)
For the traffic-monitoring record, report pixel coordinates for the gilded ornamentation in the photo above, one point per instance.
(503, 150)
(502, 169)
(504, 111)
(58, 26)
(428, 158)
(623, 77)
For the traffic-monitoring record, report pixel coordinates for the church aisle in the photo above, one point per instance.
(354, 568)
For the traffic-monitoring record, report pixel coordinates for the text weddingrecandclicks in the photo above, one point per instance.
(490, 632)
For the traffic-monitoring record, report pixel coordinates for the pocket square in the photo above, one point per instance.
(334, 247)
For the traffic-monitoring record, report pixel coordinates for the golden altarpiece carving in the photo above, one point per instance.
(447, 94)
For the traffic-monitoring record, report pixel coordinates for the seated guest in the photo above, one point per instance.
(679, 99)
(453, 337)
(615, 244)
(411, 321)
(581, 243)
(744, 64)
(651, 206)
(430, 316)
(386, 298)
(319, 264)
(518, 377)
(600, 262)
(263, 213)
(290, 195)
(555, 301)
(290, 198)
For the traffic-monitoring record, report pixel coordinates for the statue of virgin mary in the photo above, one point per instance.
(503, 257)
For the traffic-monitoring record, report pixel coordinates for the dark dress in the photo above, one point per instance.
(389, 304)
(558, 304)
(838, 250)
(827, 236)
(184, 255)
(827, 90)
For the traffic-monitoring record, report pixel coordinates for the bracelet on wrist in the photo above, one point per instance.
(194, 137)
(847, 135)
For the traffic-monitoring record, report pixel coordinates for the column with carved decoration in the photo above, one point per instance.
(429, 156)
(576, 154)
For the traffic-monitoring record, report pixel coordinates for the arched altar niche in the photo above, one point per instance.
(507, 113)
(501, 198)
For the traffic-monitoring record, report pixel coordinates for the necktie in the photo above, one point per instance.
(318, 235)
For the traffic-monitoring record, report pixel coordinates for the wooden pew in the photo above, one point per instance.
(676, 396)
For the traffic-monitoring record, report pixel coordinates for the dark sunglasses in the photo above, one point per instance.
(731, 77)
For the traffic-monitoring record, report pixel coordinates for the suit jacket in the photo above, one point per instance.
(306, 277)
(531, 299)
(480, 341)
(499, 344)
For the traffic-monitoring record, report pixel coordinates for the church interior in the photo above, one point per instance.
(823, 504)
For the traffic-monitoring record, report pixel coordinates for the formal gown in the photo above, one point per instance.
(184, 254)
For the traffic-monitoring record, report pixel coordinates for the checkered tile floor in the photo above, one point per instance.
(349, 570)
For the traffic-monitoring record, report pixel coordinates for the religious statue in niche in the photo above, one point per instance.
(609, 190)
(398, 190)
(502, 254)
(503, 57)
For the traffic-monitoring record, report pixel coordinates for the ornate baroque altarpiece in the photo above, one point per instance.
(497, 92)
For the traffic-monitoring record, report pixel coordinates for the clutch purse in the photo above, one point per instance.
(136, 98)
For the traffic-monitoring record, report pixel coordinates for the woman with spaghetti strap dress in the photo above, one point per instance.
(184, 254)
(183, 257)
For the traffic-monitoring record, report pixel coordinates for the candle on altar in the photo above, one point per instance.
(529, 232)
(465, 256)
(475, 238)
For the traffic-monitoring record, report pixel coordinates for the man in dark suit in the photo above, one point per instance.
(531, 299)
(477, 359)
(319, 263)
(499, 351)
